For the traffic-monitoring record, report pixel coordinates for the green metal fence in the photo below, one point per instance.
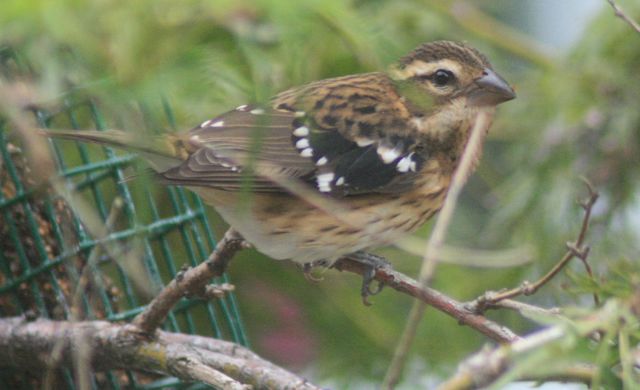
(44, 245)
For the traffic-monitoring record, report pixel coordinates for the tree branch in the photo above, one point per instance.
(192, 281)
(485, 367)
(222, 364)
(439, 301)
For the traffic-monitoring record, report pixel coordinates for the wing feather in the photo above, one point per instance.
(341, 136)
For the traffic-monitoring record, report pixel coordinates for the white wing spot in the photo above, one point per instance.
(322, 161)
(308, 152)
(242, 107)
(388, 155)
(301, 131)
(324, 181)
(340, 181)
(302, 143)
(195, 138)
(299, 114)
(218, 124)
(257, 111)
(405, 164)
(206, 123)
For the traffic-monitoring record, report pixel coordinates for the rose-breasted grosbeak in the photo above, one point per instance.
(337, 165)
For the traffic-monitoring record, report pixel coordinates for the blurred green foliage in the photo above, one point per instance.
(576, 115)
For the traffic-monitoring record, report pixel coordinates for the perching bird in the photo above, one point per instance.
(338, 165)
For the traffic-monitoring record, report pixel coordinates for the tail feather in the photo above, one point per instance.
(162, 152)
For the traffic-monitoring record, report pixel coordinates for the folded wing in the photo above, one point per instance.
(341, 137)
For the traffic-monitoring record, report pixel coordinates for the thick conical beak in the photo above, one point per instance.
(492, 90)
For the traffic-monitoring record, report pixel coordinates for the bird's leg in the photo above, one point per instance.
(371, 263)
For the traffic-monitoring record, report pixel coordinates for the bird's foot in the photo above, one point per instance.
(307, 269)
(371, 263)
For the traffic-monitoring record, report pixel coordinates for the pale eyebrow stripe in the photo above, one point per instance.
(419, 68)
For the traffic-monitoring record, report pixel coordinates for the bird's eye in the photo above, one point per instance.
(442, 77)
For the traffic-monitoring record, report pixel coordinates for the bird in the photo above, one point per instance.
(336, 166)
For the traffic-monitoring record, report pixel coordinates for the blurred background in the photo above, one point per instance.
(575, 69)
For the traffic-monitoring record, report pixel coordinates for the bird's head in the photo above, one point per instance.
(443, 70)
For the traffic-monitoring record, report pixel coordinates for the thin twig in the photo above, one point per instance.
(622, 15)
(574, 249)
(190, 282)
(587, 206)
(406, 285)
(436, 240)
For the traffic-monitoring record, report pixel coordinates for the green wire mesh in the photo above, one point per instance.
(45, 247)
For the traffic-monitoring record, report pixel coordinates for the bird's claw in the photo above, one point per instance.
(371, 263)
(307, 268)
(367, 278)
